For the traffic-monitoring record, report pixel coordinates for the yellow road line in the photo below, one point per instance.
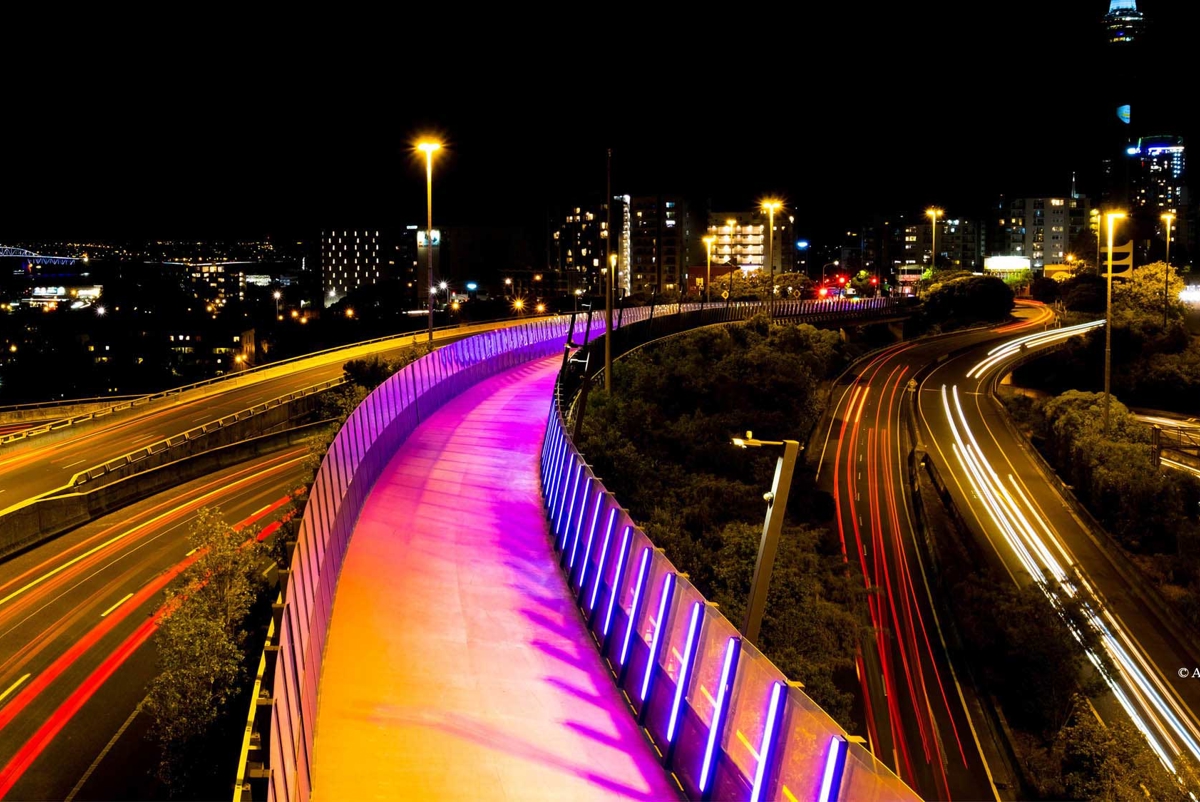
(13, 687)
(141, 526)
(124, 599)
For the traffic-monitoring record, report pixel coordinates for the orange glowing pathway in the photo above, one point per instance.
(457, 666)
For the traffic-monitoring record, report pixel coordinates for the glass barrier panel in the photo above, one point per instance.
(658, 593)
(868, 779)
(697, 712)
(670, 660)
(640, 550)
(748, 707)
(804, 746)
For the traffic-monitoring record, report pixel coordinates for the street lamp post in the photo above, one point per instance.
(732, 261)
(608, 305)
(934, 214)
(771, 206)
(708, 243)
(768, 544)
(444, 286)
(1169, 218)
(278, 295)
(428, 148)
(1111, 217)
(1096, 214)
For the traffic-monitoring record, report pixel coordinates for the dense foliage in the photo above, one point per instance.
(662, 442)
(1152, 512)
(200, 643)
(956, 299)
(1153, 365)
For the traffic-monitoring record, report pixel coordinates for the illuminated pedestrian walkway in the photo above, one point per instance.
(457, 665)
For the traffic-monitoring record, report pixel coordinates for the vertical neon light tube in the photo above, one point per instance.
(685, 669)
(560, 526)
(664, 600)
(556, 483)
(633, 609)
(714, 728)
(835, 762)
(553, 468)
(591, 536)
(768, 741)
(578, 526)
(612, 519)
(548, 461)
(616, 589)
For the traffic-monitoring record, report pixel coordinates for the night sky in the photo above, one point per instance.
(251, 128)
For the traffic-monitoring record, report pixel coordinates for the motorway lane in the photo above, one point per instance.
(920, 720)
(75, 615)
(47, 462)
(1009, 505)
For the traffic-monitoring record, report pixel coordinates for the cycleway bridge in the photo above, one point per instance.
(423, 647)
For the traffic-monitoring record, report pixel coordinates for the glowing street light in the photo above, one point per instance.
(1168, 218)
(768, 544)
(708, 243)
(933, 215)
(1112, 218)
(428, 147)
(770, 206)
(277, 295)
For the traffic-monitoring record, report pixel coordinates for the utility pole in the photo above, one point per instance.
(608, 285)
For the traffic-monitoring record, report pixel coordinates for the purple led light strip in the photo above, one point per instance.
(587, 550)
(714, 726)
(578, 525)
(663, 600)
(612, 519)
(768, 741)
(633, 609)
(616, 589)
(684, 670)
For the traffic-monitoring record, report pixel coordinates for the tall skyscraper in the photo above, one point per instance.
(658, 241)
(1123, 22)
(1124, 30)
(350, 259)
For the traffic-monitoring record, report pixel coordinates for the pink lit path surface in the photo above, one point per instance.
(457, 666)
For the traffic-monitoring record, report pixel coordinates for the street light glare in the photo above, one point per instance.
(428, 146)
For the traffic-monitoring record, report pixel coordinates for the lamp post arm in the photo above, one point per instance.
(768, 545)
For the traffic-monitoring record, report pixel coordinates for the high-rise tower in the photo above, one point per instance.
(1124, 28)
(1125, 24)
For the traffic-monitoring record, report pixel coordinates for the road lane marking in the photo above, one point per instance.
(124, 599)
(13, 687)
(193, 551)
(104, 752)
(76, 462)
(193, 504)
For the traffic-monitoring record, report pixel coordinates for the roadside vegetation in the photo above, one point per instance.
(1153, 365)
(217, 616)
(662, 441)
(955, 299)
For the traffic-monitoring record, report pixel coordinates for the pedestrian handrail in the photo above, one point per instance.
(726, 722)
(282, 752)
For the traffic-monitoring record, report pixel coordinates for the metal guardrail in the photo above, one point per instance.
(724, 719)
(277, 761)
(139, 400)
(116, 463)
(64, 402)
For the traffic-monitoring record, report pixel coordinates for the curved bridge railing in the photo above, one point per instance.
(277, 747)
(727, 722)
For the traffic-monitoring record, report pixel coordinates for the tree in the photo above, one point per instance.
(200, 639)
(1046, 290)
(966, 300)
(1019, 280)
(1112, 761)
(1143, 291)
